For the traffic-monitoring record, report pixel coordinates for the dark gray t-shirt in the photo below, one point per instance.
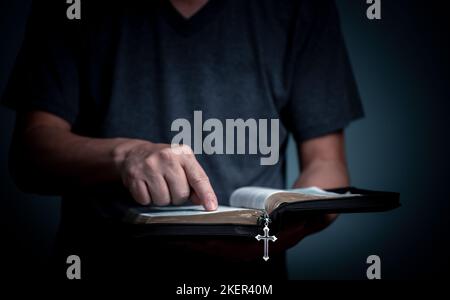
(131, 68)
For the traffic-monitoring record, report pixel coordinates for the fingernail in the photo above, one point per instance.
(212, 205)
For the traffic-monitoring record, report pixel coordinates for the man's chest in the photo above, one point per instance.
(142, 68)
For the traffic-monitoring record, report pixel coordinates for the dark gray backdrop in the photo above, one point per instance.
(401, 145)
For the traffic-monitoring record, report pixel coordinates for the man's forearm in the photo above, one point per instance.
(83, 159)
(48, 158)
(51, 159)
(324, 174)
(323, 162)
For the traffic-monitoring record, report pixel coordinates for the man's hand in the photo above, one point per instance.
(46, 151)
(161, 175)
(244, 249)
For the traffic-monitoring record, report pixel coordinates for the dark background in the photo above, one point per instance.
(401, 67)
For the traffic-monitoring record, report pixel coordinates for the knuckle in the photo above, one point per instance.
(162, 201)
(185, 152)
(150, 161)
(181, 196)
(185, 149)
(179, 201)
(140, 200)
(133, 172)
(200, 179)
(166, 154)
(185, 194)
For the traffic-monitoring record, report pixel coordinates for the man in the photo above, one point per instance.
(95, 99)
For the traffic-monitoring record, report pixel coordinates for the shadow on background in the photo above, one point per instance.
(401, 68)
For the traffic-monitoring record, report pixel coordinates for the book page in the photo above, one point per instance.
(252, 197)
(302, 194)
(194, 214)
(314, 191)
(192, 210)
(255, 197)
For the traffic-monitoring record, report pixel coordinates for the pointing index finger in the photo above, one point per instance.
(199, 182)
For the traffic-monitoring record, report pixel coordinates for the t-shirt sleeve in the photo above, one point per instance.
(45, 76)
(323, 97)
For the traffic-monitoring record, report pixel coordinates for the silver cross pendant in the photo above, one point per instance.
(266, 238)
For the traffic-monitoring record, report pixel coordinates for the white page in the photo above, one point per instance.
(315, 191)
(255, 197)
(251, 197)
(192, 210)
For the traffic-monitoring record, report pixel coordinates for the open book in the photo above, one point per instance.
(247, 205)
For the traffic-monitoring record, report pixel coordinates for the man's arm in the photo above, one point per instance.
(46, 156)
(323, 164)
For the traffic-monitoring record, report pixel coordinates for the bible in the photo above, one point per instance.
(250, 208)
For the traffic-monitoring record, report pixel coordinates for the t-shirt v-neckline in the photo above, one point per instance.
(200, 19)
